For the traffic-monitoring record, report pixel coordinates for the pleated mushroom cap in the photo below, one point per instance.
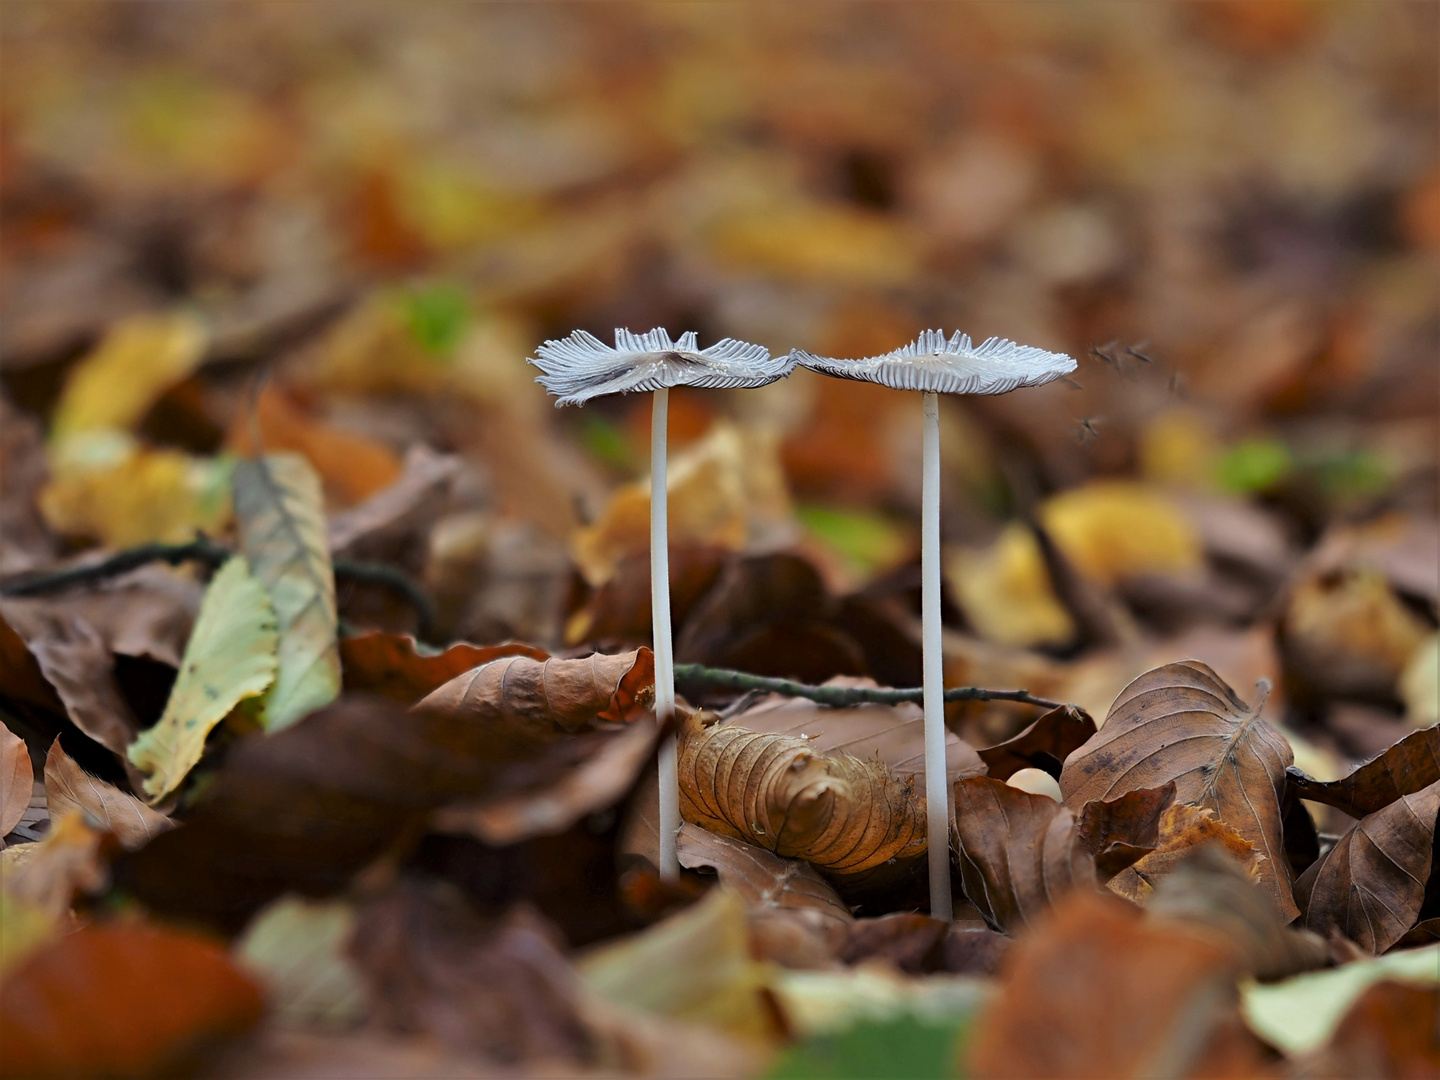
(953, 366)
(581, 366)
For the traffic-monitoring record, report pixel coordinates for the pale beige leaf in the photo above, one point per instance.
(17, 776)
(69, 787)
(281, 515)
(230, 657)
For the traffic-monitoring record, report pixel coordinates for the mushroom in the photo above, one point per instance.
(935, 365)
(581, 367)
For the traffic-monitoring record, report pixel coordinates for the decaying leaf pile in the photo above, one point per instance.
(328, 743)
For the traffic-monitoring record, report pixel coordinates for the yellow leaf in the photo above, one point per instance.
(1420, 683)
(1112, 529)
(830, 244)
(297, 948)
(1180, 447)
(141, 358)
(281, 514)
(106, 487)
(230, 657)
(1006, 592)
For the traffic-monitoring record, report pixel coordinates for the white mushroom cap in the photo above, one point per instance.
(581, 366)
(930, 362)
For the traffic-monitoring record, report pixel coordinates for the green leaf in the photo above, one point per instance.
(905, 1046)
(230, 657)
(867, 540)
(1300, 1014)
(1254, 465)
(282, 532)
(437, 317)
(298, 949)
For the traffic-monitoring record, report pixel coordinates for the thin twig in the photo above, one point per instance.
(698, 678)
(204, 550)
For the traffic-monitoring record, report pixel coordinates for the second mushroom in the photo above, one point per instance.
(936, 365)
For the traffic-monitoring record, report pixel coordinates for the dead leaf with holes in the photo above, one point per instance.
(1181, 722)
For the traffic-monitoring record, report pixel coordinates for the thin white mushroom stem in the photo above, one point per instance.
(664, 649)
(937, 795)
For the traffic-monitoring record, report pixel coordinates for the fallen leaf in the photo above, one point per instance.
(902, 1046)
(619, 610)
(846, 816)
(1300, 1014)
(829, 1002)
(282, 534)
(121, 999)
(17, 777)
(1389, 1031)
(76, 662)
(1211, 892)
(1182, 828)
(25, 542)
(1121, 831)
(1044, 744)
(1018, 853)
(1007, 594)
(20, 674)
(24, 927)
(1111, 529)
(1419, 685)
(893, 734)
(761, 878)
(1181, 722)
(693, 966)
(48, 874)
(297, 950)
(913, 943)
(138, 360)
(392, 521)
(351, 467)
(230, 657)
(1095, 989)
(390, 664)
(68, 788)
(1370, 886)
(1406, 767)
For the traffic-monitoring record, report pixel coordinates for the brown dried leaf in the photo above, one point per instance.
(1018, 853)
(389, 665)
(1370, 886)
(1391, 1030)
(1121, 831)
(48, 874)
(761, 878)
(1181, 829)
(17, 778)
(1181, 722)
(844, 815)
(914, 943)
(1211, 891)
(69, 787)
(1045, 744)
(523, 698)
(121, 1000)
(394, 521)
(1095, 989)
(895, 734)
(504, 992)
(1406, 767)
(20, 674)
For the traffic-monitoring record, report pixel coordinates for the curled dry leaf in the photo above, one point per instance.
(1371, 885)
(1181, 722)
(1408, 766)
(1018, 852)
(281, 517)
(68, 788)
(1209, 890)
(848, 817)
(761, 878)
(1045, 744)
(1097, 990)
(17, 778)
(1181, 828)
(1119, 832)
(125, 999)
(390, 665)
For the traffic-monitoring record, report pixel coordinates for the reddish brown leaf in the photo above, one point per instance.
(20, 673)
(762, 878)
(1045, 744)
(70, 859)
(68, 787)
(502, 991)
(1392, 1030)
(1119, 832)
(913, 943)
(389, 665)
(619, 610)
(1018, 853)
(1181, 722)
(1403, 769)
(126, 999)
(1182, 828)
(1370, 886)
(17, 779)
(1094, 990)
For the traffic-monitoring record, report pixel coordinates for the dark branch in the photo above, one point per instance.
(698, 678)
(204, 550)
